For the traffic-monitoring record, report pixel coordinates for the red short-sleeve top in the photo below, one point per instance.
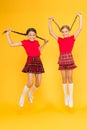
(66, 44)
(31, 47)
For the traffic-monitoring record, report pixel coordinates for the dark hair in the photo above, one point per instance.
(25, 34)
(73, 22)
(57, 24)
(31, 30)
(65, 26)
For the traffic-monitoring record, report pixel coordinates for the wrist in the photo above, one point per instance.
(8, 33)
(50, 20)
(45, 42)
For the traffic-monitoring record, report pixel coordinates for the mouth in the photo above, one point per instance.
(31, 39)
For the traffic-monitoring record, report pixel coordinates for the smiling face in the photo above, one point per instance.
(31, 35)
(65, 32)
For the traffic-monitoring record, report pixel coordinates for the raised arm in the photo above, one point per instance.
(50, 28)
(11, 43)
(43, 45)
(80, 25)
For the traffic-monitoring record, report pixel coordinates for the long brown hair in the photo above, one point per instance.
(25, 34)
(65, 26)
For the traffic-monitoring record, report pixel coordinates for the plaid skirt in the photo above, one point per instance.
(33, 65)
(66, 61)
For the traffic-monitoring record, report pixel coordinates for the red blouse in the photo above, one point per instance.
(66, 44)
(31, 47)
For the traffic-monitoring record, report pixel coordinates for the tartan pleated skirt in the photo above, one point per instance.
(66, 61)
(33, 65)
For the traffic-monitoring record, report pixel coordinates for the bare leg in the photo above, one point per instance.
(30, 79)
(38, 80)
(70, 76)
(64, 76)
(25, 90)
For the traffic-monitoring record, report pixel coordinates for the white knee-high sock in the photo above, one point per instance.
(71, 85)
(32, 90)
(65, 87)
(30, 93)
(25, 90)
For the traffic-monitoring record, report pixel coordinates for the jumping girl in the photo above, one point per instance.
(66, 61)
(33, 64)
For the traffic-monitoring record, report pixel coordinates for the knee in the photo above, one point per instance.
(37, 84)
(30, 84)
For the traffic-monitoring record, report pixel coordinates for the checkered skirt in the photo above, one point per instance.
(33, 65)
(66, 61)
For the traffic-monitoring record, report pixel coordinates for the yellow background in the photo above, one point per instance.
(47, 111)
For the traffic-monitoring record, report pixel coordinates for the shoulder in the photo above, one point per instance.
(60, 39)
(72, 37)
(24, 41)
(36, 42)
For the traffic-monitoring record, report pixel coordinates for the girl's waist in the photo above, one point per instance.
(61, 53)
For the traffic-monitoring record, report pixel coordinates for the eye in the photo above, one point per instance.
(62, 31)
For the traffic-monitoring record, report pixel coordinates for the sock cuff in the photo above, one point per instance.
(26, 87)
(64, 85)
(71, 84)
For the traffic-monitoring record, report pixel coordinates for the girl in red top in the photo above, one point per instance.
(66, 61)
(33, 65)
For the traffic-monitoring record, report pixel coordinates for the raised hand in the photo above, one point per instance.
(79, 14)
(45, 41)
(51, 19)
(7, 31)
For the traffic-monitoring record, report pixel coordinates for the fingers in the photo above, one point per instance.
(51, 19)
(45, 40)
(8, 30)
(79, 14)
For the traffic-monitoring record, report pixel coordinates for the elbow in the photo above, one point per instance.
(50, 32)
(11, 44)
